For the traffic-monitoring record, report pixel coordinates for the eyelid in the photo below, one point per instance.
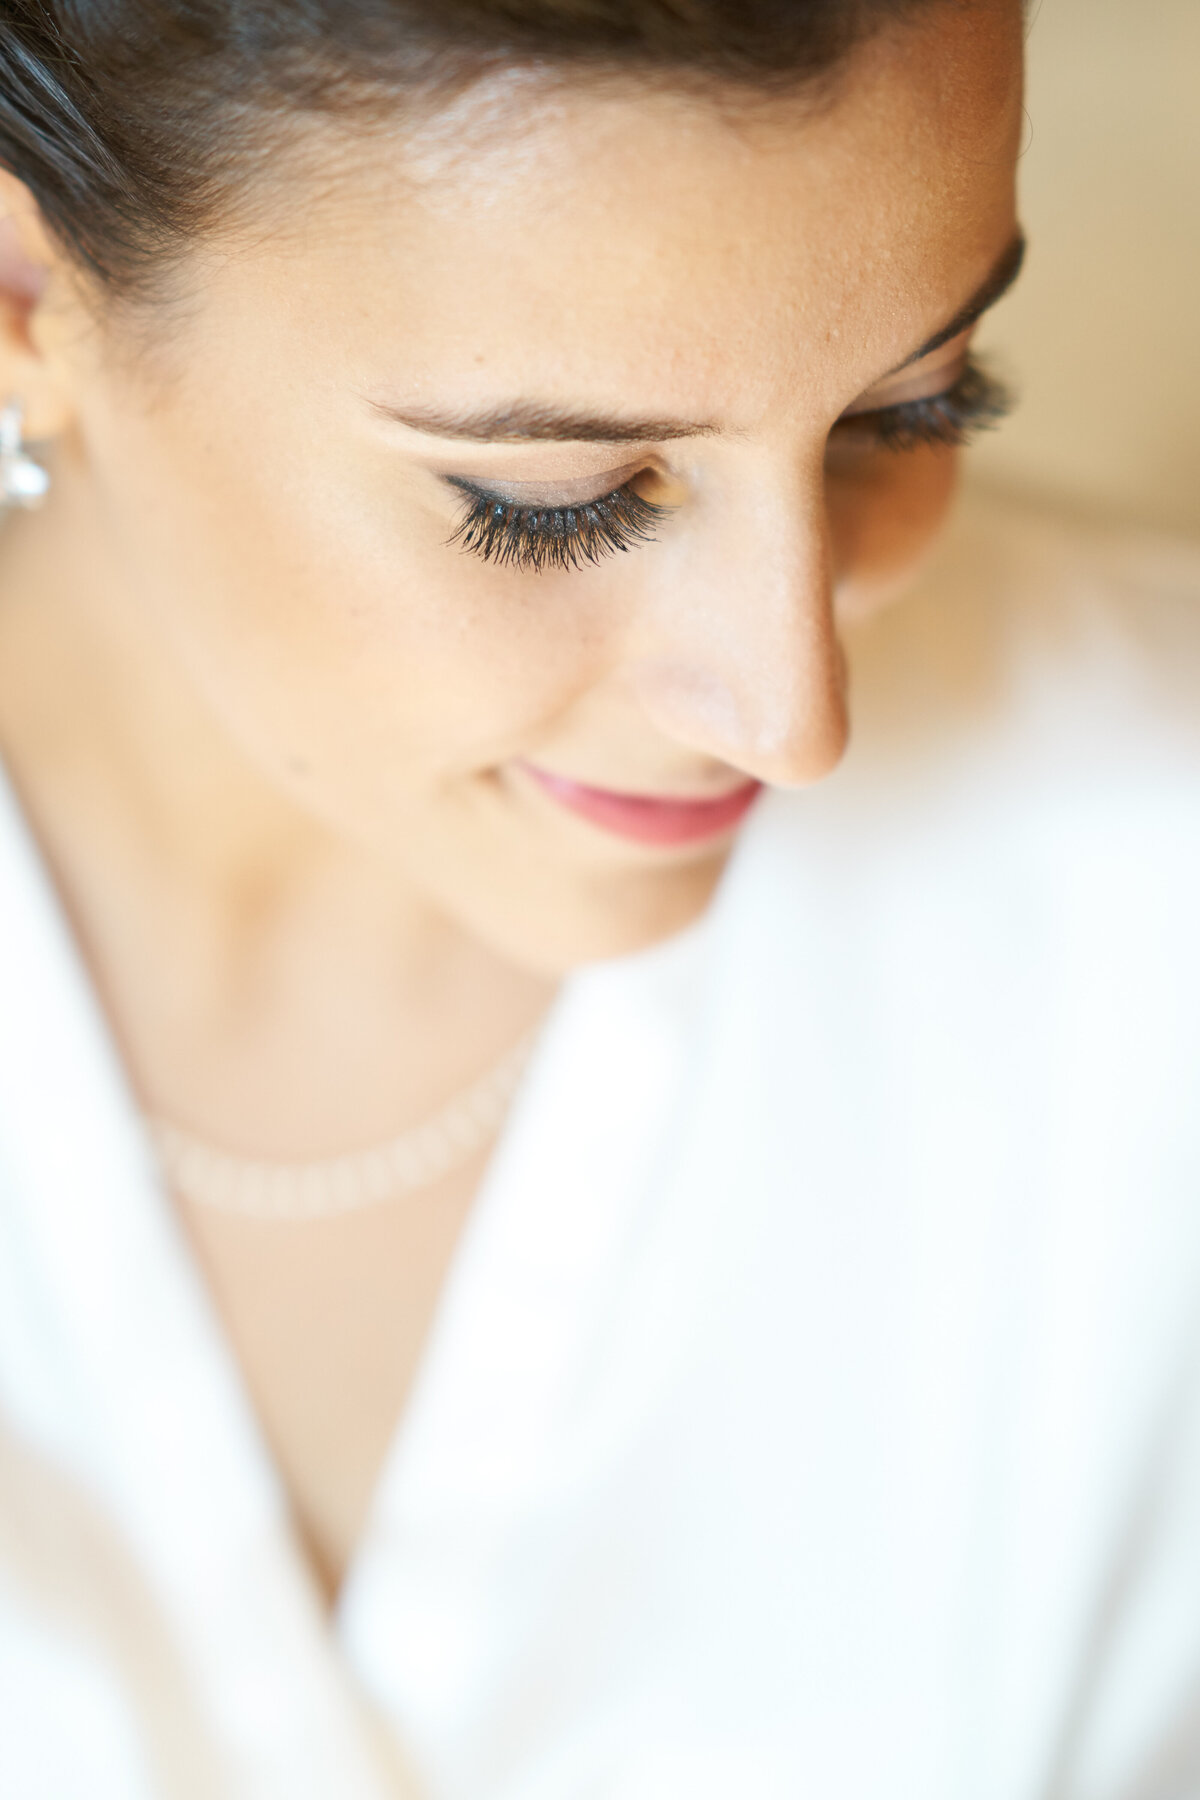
(539, 495)
(922, 381)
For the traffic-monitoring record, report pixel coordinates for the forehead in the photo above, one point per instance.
(618, 241)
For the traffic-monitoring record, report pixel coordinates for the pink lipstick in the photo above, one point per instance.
(649, 818)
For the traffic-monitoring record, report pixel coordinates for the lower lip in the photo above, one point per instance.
(649, 821)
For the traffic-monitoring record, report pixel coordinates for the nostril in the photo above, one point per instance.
(693, 705)
(809, 753)
(787, 728)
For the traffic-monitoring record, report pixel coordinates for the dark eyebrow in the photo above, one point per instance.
(532, 421)
(993, 287)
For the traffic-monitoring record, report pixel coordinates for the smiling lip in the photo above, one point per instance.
(649, 819)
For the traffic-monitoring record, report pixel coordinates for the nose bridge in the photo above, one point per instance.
(748, 666)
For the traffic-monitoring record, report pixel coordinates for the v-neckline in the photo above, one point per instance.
(148, 1272)
(591, 1097)
(144, 1404)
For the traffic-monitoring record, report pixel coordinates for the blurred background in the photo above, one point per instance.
(1102, 335)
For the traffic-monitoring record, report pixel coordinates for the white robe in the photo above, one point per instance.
(814, 1406)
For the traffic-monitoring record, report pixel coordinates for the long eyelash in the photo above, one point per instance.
(568, 537)
(553, 537)
(977, 402)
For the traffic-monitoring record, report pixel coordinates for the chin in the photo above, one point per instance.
(598, 917)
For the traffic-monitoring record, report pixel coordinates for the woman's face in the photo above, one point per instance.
(548, 295)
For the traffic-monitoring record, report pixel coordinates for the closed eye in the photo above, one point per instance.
(976, 402)
(537, 538)
(552, 537)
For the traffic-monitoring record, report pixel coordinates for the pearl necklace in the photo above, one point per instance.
(326, 1188)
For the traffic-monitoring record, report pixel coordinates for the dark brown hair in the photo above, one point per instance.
(129, 119)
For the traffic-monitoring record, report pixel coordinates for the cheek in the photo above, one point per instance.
(318, 612)
(883, 525)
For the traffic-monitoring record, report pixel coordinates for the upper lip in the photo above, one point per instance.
(663, 796)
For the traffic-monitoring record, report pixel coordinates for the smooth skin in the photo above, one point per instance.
(268, 723)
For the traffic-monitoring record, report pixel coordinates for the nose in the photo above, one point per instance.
(740, 659)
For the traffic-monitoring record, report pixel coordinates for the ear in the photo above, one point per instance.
(31, 270)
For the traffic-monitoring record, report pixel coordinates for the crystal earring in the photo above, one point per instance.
(23, 482)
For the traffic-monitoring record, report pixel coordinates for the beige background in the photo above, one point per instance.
(1103, 334)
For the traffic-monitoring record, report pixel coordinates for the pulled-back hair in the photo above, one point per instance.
(128, 119)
